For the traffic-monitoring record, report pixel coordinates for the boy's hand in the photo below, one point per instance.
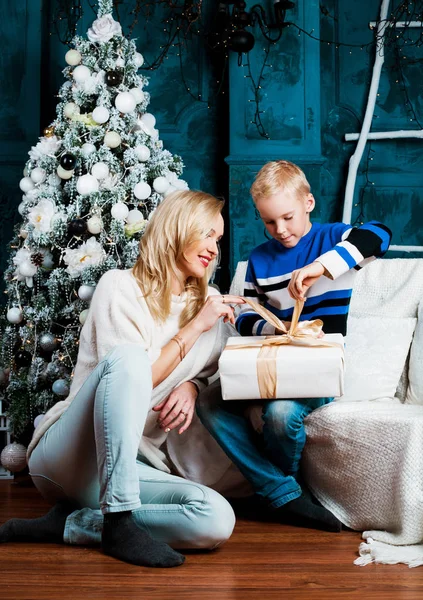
(303, 279)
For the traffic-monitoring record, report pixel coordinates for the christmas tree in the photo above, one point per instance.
(90, 185)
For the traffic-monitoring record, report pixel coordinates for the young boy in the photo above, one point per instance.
(302, 261)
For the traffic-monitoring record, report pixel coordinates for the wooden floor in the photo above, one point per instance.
(262, 561)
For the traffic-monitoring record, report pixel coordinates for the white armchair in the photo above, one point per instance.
(364, 454)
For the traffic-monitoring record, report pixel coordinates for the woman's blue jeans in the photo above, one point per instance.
(90, 456)
(271, 463)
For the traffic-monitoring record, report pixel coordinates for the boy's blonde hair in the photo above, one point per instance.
(184, 217)
(279, 176)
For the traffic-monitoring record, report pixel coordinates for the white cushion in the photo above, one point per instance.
(376, 349)
(415, 370)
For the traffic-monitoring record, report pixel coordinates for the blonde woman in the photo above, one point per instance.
(152, 335)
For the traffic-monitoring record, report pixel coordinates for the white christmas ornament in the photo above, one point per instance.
(149, 120)
(100, 170)
(139, 59)
(13, 457)
(143, 152)
(54, 180)
(21, 208)
(26, 184)
(94, 224)
(81, 73)
(112, 139)
(125, 102)
(119, 211)
(160, 185)
(70, 109)
(38, 175)
(101, 114)
(14, 315)
(63, 173)
(83, 316)
(37, 420)
(169, 190)
(86, 292)
(142, 190)
(87, 149)
(73, 57)
(134, 216)
(138, 94)
(87, 184)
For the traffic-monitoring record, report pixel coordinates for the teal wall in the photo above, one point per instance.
(312, 95)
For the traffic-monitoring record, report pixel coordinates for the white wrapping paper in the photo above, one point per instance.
(301, 371)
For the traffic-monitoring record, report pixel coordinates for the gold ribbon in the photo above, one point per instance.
(304, 333)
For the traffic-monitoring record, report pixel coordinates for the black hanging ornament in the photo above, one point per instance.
(77, 227)
(113, 78)
(241, 41)
(68, 161)
(23, 358)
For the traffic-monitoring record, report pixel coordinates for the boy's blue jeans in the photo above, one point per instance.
(273, 468)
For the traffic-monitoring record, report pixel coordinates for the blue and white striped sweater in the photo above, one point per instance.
(340, 248)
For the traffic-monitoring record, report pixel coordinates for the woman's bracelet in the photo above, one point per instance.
(177, 338)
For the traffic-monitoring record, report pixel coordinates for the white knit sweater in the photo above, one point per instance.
(119, 315)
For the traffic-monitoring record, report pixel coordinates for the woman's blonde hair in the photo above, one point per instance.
(279, 176)
(184, 217)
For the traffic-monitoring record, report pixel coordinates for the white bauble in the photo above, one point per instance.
(149, 120)
(139, 59)
(86, 292)
(70, 109)
(63, 173)
(54, 180)
(87, 149)
(13, 457)
(125, 102)
(73, 57)
(14, 315)
(169, 191)
(134, 216)
(142, 190)
(87, 184)
(26, 184)
(112, 139)
(83, 316)
(94, 224)
(37, 420)
(119, 211)
(100, 170)
(23, 233)
(143, 152)
(38, 175)
(27, 269)
(138, 94)
(21, 208)
(101, 114)
(60, 387)
(81, 73)
(160, 185)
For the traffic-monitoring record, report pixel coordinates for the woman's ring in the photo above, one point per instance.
(184, 413)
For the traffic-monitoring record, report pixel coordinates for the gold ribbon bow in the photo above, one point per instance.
(305, 333)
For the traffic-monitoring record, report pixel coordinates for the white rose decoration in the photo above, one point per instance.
(103, 29)
(40, 217)
(88, 254)
(25, 269)
(45, 147)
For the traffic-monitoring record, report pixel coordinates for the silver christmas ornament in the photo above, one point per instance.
(13, 457)
(60, 387)
(48, 342)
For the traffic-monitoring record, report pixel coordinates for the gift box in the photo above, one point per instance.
(288, 370)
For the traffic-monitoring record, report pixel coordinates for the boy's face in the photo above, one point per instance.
(286, 218)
